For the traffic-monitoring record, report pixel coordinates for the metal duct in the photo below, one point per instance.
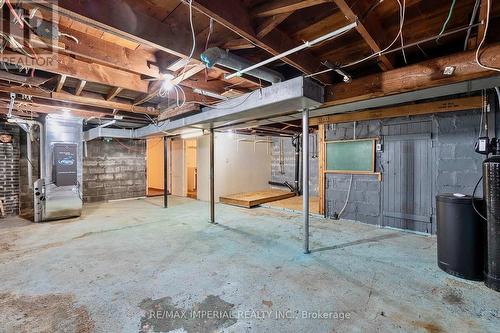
(27, 125)
(217, 56)
(58, 192)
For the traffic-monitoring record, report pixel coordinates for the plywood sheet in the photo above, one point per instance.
(252, 199)
(295, 204)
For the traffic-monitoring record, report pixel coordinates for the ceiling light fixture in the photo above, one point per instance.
(167, 81)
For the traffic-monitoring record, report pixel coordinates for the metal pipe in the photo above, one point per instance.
(472, 19)
(296, 144)
(30, 123)
(29, 155)
(165, 172)
(212, 177)
(217, 56)
(296, 49)
(305, 176)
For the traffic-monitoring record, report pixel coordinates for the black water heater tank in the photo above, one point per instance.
(491, 172)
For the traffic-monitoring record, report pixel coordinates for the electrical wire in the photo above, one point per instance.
(13, 11)
(472, 19)
(487, 23)
(474, 200)
(347, 199)
(425, 40)
(401, 35)
(190, 4)
(402, 10)
(445, 24)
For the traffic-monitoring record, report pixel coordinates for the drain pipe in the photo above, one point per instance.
(306, 45)
(296, 144)
(30, 123)
(217, 56)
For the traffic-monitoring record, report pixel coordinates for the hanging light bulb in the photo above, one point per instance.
(167, 82)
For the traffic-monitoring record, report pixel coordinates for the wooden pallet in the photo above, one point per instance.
(252, 199)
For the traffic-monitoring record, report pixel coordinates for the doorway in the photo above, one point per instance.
(407, 182)
(154, 174)
(191, 168)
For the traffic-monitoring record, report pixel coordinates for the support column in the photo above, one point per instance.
(212, 177)
(305, 176)
(165, 172)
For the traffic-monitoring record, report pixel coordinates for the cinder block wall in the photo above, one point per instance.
(9, 170)
(364, 200)
(26, 193)
(456, 167)
(288, 172)
(114, 170)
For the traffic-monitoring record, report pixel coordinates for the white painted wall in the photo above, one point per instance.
(238, 168)
(178, 169)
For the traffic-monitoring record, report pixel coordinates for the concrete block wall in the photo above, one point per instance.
(364, 199)
(9, 170)
(114, 170)
(288, 172)
(456, 167)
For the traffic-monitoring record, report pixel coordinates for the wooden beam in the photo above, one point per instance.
(46, 108)
(185, 110)
(113, 93)
(60, 82)
(110, 54)
(426, 74)
(79, 87)
(86, 99)
(155, 86)
(238, 44)
(321, 166)
(115, 17)
(363, 29)
(275, 42)
(68, 66)
(270, 23)
(483, 12)
(451, 105)
(270, 8)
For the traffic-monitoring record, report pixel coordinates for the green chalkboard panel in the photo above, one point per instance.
(353, 156)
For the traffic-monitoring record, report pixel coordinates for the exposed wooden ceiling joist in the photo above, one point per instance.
(85, 99)
(270, 23)
(155, 86)
(449, 105)
(270, 8)
(365, 28)
(419, 76)
(275, 42)
(117, 17)
(68, 66)
(60, 82)
(80, 87)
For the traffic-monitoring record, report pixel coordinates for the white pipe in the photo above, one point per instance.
(42, 139)
(305, 177)
(29, 157)
(296, 49)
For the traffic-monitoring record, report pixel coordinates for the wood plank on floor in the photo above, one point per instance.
(252, 199)
(296, 204)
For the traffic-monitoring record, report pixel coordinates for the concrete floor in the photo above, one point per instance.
(112, 269)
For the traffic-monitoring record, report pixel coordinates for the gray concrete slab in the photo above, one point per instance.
(106, 272)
